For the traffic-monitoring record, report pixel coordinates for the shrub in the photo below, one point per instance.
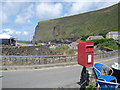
(109, 43)
(70, 52)
(91, 87)
(85, 37)
(63, 47)
(103, 34)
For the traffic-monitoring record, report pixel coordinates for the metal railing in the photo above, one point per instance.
(57, 55)
(47, 59)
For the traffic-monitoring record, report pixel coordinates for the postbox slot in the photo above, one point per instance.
(89, 49)
(89, 46)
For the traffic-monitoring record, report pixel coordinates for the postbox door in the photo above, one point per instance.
(89, 59)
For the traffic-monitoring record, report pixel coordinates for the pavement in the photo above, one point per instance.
(31, 67)
(60, 76)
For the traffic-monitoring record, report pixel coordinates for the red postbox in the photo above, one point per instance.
(86, 54)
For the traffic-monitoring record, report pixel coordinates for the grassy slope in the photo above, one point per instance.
(94, 22)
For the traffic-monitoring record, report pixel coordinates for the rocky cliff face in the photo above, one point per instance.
(91, 23)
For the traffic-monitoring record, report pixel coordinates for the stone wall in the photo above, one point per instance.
(36, 60)
(107, 54)
(51, 59)
(25, 50)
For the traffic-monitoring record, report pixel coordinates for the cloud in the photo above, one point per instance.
(82, 7)
(11, 8)
(8, 11)
(21, 13)
(13, 32)
(48, 10)
(25, 33)
(3, 18)
(78, 8)
(60, 0)
(18, 13)
(25, 16)
(30, 0)
(19, 35)
(8, 31)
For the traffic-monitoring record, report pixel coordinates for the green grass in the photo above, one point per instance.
(91, 23)
(63, 47)
(25, 42)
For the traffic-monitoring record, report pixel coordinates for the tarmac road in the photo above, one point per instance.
(47, 78)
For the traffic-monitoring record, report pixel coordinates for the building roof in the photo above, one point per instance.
(95, 37)
(5, 36)
(114, 32)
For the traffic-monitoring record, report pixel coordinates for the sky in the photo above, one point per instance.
(19, 18)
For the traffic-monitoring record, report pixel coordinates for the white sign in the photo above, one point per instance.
(89, 58)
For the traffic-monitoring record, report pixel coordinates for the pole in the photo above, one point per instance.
(84, 79)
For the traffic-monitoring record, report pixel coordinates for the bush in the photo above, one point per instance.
(63, 47)
(91, 87)
(108, 43)
(85, 37)
(70, 52)
(103, 34)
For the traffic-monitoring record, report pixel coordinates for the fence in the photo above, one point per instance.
(47, 59)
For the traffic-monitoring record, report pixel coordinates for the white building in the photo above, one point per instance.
(6, 39)
(5, 36)
(94, 37)
(113, 34)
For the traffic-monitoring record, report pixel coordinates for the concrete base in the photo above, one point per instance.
(92, 76)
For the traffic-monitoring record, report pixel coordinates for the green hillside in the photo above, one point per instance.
(94, 23)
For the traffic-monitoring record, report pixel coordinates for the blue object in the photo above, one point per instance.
(107, 85)
(98, 67)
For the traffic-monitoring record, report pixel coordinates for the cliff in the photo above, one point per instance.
(90, 23)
